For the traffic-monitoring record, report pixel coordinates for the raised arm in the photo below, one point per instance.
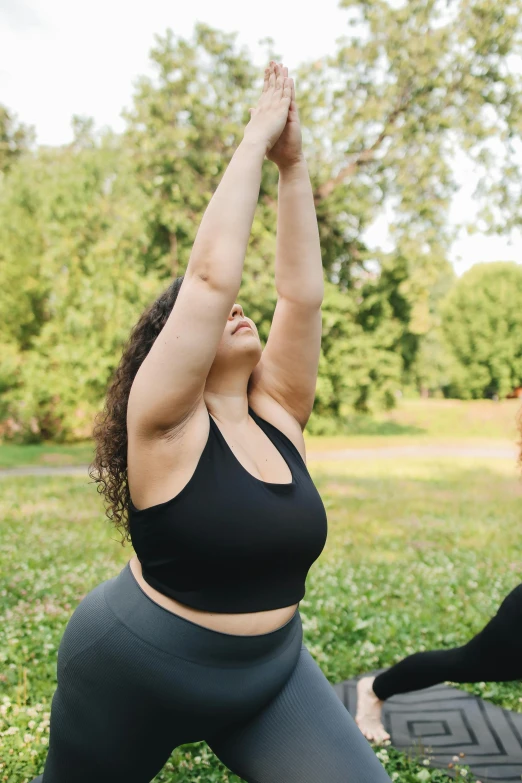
(171, 379)
(289, 365)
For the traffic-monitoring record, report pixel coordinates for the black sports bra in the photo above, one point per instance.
(228, 541)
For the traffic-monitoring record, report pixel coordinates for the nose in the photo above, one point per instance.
(235, 310)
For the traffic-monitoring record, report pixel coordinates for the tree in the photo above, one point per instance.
(106, 222)
(412, 83)
(15, 139)
(482, 325)
(72, 281)
(382, 118)
(182, 131)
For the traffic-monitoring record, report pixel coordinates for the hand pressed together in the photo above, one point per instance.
(288, 148)
(269, 117)
(275, 119)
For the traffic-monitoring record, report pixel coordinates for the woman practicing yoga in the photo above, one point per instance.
(201, 458)
(493, 655)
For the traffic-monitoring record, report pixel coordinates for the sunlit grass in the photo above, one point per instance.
(413, 422)
(13, 455)
(429, 421)
(420, 554)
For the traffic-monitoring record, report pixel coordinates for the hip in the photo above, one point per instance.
(118, 641)
(118, 606)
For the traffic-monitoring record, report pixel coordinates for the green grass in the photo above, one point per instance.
(420, 554)
(456, 418)
(14, 455)
(429, 421)
(413, 421)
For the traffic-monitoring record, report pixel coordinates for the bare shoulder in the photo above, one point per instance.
(158, 467)
(276, 414)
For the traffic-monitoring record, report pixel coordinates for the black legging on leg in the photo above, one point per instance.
(135, 681)
(493, 655)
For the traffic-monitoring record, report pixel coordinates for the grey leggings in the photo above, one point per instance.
(135, 681)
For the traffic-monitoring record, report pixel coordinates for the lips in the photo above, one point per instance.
(242, 325)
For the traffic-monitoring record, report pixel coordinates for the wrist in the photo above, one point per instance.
(252, 146)
(298, 164)
(297, 168)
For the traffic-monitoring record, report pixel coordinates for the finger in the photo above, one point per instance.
(293, 104)
(280, 80)
(272, 77)
(287, 90)
(285, 71)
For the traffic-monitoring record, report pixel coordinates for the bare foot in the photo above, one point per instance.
(369, 708)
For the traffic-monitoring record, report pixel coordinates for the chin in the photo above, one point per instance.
(254, 348)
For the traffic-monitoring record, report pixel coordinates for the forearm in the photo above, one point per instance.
(298, 266)
(222, 239)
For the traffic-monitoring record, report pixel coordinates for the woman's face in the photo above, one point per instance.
(239, 346)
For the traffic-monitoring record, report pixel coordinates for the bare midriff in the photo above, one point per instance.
(250, 624)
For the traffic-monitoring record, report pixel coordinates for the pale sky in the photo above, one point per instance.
(59, 58)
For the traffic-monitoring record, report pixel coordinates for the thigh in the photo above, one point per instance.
(103, 738)
(112, 713)
(495, 653)
(304, 735)
(506, 625)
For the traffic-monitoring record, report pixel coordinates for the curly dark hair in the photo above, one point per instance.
(109, 467)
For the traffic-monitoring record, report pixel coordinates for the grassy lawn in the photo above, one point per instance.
(13, 455)
(413, 421)
(429, 421)
(420, 554)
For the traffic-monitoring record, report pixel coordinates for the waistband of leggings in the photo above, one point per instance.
(183, 638)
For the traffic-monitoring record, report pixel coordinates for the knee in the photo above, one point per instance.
(513, 602)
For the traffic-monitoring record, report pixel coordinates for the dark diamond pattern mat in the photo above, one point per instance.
(442, 722)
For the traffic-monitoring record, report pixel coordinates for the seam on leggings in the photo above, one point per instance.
(190, 660)
(87, 647)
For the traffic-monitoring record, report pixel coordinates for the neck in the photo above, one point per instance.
(230, 408)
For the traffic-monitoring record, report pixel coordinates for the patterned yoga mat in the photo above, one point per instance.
(441, 722)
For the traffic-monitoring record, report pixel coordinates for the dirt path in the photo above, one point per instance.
(389, 452)
(42, 470)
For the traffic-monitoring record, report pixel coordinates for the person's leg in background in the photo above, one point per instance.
(493, 655)
(304, 735)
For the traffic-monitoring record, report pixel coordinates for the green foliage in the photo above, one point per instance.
(182, 132)
(15, 139)
(482, 324)
(70, 294)
(359, 370)
(91, 232)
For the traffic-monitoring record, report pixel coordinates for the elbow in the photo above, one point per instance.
(216, 271)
